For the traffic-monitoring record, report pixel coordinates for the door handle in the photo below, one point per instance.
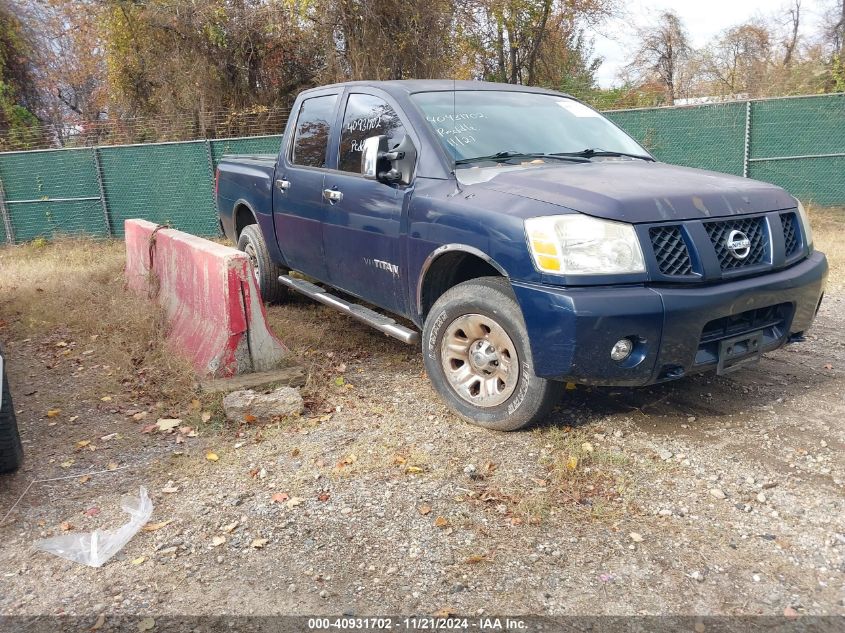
(332, 195)
(282, 184)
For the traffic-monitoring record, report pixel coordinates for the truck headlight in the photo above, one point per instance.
(583, 245)
(805, 224)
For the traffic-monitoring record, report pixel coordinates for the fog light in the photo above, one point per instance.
(622, 349)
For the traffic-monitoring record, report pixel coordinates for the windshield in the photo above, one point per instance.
(483, 124)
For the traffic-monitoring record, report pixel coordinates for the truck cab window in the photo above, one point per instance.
(312, 131)
(366, 116)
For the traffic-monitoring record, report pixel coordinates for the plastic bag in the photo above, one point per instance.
(97, 547)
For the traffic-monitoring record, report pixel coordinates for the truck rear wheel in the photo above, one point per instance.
(11, 451)
(477, 355)
(251, 242)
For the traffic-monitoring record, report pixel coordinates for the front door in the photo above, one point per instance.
(361, 236)
(298, 209)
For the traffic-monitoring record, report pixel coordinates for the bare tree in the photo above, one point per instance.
(663, 51)
(739, 61)
(792, 40)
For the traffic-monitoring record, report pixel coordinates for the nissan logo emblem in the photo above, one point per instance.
(738, 244)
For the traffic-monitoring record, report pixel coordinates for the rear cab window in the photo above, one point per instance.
(313, 128)
(365, 116)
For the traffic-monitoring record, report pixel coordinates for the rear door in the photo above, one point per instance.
(298, 208)
(361, 236)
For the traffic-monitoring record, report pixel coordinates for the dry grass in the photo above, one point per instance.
(828, 228)
(73, 291)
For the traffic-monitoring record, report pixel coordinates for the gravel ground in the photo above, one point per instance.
(712, 495)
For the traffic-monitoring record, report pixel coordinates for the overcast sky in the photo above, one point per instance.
(704, 19)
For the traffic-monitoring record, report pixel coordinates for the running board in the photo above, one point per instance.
(372, 318)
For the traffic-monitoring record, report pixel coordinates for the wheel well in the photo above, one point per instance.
(449, 270)
(243, 218)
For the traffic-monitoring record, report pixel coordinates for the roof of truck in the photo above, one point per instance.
(410, 86)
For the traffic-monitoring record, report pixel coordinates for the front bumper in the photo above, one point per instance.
(676, 328)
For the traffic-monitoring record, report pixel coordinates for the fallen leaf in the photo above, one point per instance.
(229, 527)
(67, 464)
(170, 488)
(111, 466)
(92, 511)
(139, 560)
(570, 386)
(140, 416)
(83, 443)
(212, 457)
(413, 470)
(152, 527)
(399, 460)
(101, 619)
(149, 428)
(52, 413)
(195, 404)
(587, 447)
(445, 612)
(572, 463)
(167, 424)
(294, 501)
(73, 418)
(441, 522)
(249, 418)
(294, 452)
(339, 381)
(279, 497)
(217, 541)
(258, 543)
(84, 479)
(106, 398)
(424, 510)
(323, 496)
(636, 537)
(206, 416)
(475, 559)
(348, 460)
(66, 526)
(147, 624)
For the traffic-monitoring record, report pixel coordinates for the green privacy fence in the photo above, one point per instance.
(92, 190)
(795, 142)
(798, 143)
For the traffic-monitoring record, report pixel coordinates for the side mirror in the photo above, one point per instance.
(399, 162)
(374, 148)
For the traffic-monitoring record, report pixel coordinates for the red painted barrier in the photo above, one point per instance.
(208, 291)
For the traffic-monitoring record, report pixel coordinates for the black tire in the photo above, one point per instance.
(251, 241)
(11, 451)
(492, 299)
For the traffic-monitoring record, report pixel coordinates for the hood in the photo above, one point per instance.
(633, 190)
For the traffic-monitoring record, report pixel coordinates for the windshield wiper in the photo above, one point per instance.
(590, 152)
(507, 155)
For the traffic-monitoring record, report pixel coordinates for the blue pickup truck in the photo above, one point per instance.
(530, 240)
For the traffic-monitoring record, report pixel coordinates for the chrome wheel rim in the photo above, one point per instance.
(249, 249)
(479, 360)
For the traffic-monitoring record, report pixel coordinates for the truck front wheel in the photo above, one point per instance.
(251, 242)
(477, 355)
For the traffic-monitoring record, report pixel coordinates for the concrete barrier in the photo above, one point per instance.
(209, 294)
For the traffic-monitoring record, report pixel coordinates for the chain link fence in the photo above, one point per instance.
(795, 142)
(798, 143)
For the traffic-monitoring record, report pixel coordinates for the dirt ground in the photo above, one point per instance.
(711, 495)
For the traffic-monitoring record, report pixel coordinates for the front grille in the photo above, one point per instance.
(671, 250)
(791, 239)
(754, 230)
